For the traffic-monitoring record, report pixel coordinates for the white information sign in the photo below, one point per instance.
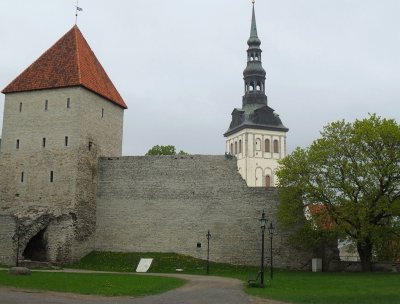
(144, 265)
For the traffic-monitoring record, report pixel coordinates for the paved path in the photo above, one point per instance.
(198, 290)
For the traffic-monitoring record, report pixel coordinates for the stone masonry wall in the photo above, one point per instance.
(65, 207)
(8, 243)
(167, 204)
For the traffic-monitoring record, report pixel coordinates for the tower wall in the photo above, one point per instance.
(254, 161)
(50, 184)
(167, 204)
(7, 240)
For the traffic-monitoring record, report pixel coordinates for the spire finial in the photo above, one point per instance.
(253, 31)
(78, 9)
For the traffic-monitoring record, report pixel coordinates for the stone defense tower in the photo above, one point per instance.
(60, 115)
(256, 135)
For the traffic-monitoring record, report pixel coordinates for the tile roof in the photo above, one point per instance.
(319, 213)
(69, 62)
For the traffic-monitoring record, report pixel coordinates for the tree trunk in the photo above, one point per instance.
(364, 249)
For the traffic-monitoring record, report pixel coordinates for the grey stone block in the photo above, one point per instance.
(19, 271)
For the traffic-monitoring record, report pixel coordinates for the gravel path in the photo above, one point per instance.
(198, 290)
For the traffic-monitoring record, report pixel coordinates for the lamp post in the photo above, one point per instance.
(263, 222)
(208, 235)
(18, 231)
(271, 229)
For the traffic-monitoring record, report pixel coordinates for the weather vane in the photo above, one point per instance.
(254, 1)
(78, 9)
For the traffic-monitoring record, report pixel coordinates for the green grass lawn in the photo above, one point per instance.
(162, 263)
(329, 288)
(290, 286)
(98, 284)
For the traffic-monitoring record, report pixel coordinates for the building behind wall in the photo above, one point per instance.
(256, 135)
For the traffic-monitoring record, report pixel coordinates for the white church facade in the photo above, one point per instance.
(257, 153)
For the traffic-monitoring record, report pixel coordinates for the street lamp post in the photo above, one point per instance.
(18, 231)
(208, 251)
(263, 222)
(271, 229)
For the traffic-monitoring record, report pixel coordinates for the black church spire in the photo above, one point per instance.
(255, 112)
(254, 74)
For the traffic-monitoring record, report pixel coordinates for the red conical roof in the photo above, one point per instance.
(69, 62)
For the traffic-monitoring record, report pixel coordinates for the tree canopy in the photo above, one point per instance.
(353, 174)
(164, 150)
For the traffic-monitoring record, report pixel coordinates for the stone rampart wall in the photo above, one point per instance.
(167, 204)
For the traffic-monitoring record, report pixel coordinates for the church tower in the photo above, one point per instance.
(60, 115)
(256, 135)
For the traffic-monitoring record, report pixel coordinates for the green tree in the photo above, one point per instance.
(164, 150)
(353, 173)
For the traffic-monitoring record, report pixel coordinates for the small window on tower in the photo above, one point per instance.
(66, 141)
(90, 145)
(68, 103)
(20, 106)
(267, 146)
(268, 181)
(231, 150)
(240, 146)
(276, 146)
(22, 177)
(17, 145)
(102, 113)
(236, 147)
(258, 144)
(51, 176)
(44, 142)
(46, 105)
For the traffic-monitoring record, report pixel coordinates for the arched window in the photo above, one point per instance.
(256, 57)
(251, 87)
(231, 150)
(236, 147)
(252, 57)
(276, 146)
(267, 147)
(258, 144)
(240, 146)
(268, 181)
(258, 87)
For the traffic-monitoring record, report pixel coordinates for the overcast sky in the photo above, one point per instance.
(178, 64)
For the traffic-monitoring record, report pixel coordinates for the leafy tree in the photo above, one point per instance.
(181, 152)
(353, 172)
(164, 150)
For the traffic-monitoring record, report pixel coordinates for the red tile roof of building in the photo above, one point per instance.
(321, 217)
(69, 62)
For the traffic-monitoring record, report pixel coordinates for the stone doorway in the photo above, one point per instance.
(36, 249)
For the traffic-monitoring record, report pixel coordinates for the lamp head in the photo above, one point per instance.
(271, 229)
(263, 220)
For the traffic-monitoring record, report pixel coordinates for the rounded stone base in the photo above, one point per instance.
(19, 271)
